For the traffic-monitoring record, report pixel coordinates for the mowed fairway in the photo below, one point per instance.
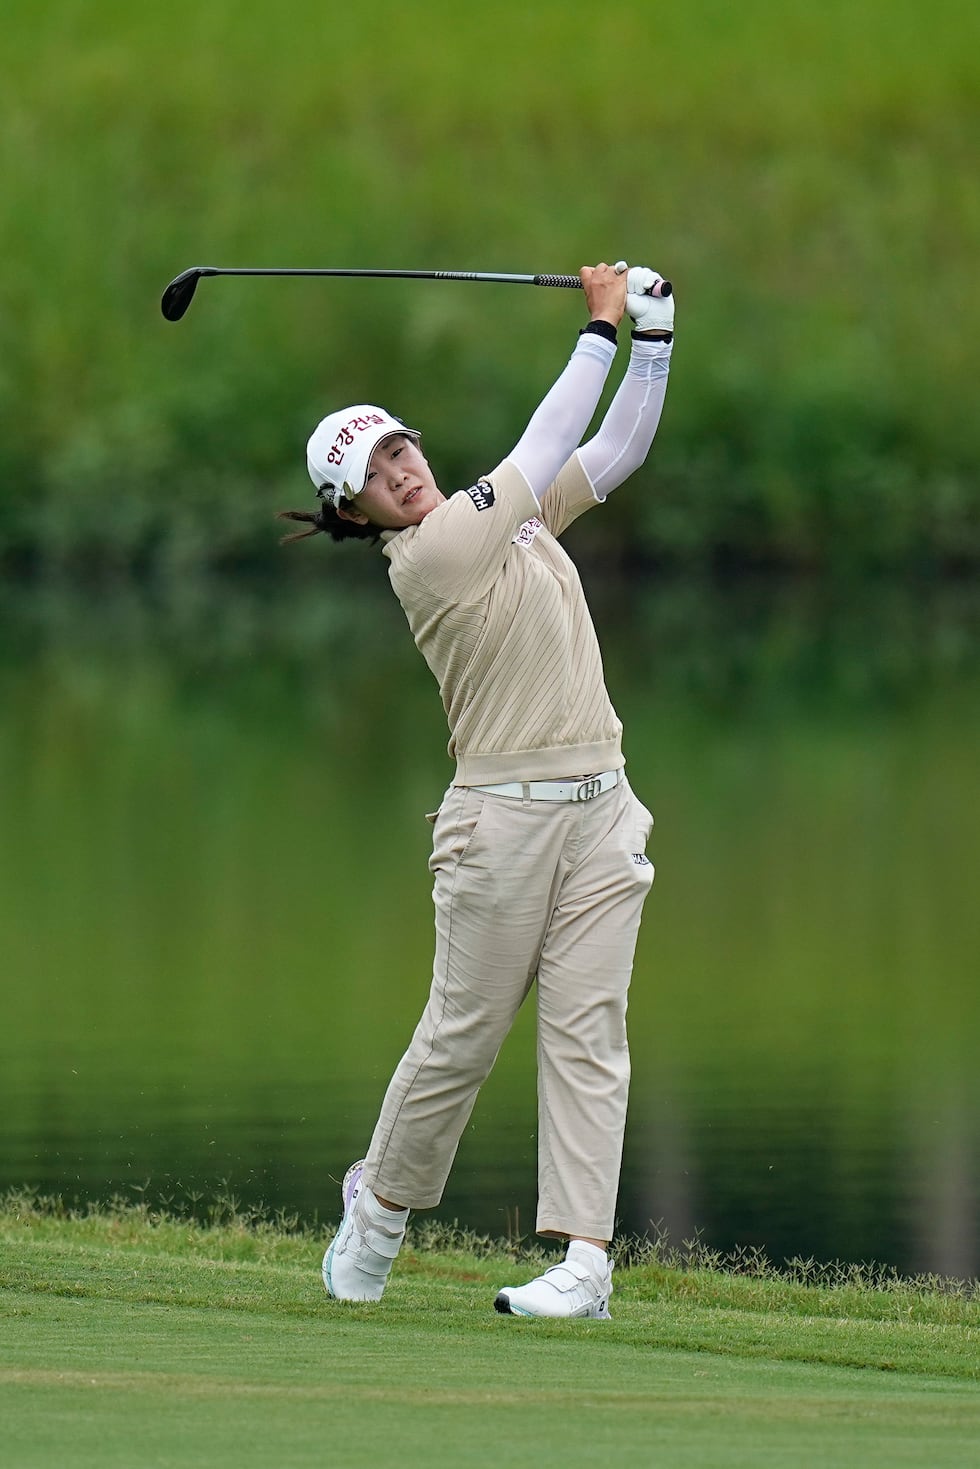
(126, 1343)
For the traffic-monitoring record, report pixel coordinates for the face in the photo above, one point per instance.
(400, 488)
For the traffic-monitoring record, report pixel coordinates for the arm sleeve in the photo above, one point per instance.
(558, 424)
(626, 433)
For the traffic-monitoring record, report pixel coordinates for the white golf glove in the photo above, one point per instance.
(648, 313)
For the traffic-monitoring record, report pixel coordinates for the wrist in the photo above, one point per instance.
(600, 326)
(656, 336)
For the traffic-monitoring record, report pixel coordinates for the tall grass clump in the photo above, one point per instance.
(805, 174)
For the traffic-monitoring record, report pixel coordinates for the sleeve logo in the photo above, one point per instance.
(481, 494)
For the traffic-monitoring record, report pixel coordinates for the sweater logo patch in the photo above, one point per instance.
(528, 531)
(482, 495)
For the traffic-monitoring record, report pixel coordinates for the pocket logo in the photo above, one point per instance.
(641, 859)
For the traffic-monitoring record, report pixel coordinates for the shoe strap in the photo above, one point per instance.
(568, 1275)
(386, 1245)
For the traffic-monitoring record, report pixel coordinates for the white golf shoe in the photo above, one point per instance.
(575, 1288)
(357, 1263)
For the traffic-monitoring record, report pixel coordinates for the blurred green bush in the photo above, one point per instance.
(806, 175)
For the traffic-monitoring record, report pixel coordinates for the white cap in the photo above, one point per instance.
(339, 449)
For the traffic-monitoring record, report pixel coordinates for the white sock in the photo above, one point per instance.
(377, 1212)
(590, 1255)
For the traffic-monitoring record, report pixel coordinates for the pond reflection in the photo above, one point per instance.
(198, 990)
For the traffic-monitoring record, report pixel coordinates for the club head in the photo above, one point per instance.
(178, 295)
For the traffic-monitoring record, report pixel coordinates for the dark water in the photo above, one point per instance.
(215, 917)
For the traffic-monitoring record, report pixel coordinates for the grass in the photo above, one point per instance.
(132, 1337)
(808, 182)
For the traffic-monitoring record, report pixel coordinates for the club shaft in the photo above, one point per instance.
(177, 296)
(418, 275)
(567, 282)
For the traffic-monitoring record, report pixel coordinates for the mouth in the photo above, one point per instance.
(412, 495)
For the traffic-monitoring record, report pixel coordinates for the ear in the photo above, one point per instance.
(357, 516)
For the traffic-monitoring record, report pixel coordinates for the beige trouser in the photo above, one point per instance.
(523, 890)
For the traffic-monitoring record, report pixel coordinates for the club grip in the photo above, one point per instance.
(572, 282)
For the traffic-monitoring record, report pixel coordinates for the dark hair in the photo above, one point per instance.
(329, 522)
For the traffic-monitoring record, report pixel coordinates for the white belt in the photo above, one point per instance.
(579, 788)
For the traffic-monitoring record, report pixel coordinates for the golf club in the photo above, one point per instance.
(178, 295)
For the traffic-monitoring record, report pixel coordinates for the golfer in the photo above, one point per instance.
(538, 849)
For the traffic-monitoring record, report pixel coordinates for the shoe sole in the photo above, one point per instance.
(348, 1189)
(325, 1272)
(347, 1204)
(503, 1305)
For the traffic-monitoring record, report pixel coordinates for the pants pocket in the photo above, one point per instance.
(642, 827)
(643, 821)
(458, 822)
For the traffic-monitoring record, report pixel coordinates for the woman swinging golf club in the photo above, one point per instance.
(538, 846)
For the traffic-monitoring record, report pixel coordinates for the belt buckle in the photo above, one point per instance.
(587, 790)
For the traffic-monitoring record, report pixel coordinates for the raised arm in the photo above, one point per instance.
(460, 547)
(624, 437)
(557, 425)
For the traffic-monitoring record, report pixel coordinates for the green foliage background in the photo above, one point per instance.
(806, 175)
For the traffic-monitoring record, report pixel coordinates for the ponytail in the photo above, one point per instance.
(327, 521)
(313, 516)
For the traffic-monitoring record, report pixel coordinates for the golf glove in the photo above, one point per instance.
(648, 313)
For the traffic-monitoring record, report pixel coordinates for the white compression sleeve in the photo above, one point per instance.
(558, 423)
(626, 433)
